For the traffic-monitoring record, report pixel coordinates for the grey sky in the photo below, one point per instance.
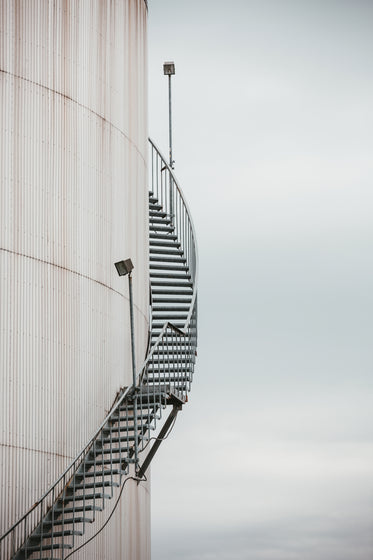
(272, 458)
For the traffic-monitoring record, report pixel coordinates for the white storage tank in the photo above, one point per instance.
(73, 200)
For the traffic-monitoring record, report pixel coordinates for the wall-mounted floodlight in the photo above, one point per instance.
(124, 267)
(169, 68)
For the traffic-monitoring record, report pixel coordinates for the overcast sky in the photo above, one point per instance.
(272, 458)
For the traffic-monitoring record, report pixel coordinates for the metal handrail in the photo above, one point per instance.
(166, 166)
(86, 448)
(170, 335)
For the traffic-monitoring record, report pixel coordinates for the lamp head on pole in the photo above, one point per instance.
(169, 68)
(124, 267)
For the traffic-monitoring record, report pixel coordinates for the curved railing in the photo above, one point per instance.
(166, 189)
(178, 343)
(168, 367)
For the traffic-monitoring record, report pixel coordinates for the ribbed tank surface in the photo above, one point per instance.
(73, 200)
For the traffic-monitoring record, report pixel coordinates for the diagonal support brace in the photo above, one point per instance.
(143, 468)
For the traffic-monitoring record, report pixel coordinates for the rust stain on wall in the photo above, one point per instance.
(73, 148)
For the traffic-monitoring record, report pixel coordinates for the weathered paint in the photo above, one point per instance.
(73, 200)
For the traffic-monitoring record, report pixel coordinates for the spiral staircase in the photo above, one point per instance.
(142, 415)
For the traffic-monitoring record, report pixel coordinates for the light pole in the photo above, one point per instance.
(125, 268)
(169, 70)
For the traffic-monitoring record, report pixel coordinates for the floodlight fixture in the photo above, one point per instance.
(169, 68)
(124, 267)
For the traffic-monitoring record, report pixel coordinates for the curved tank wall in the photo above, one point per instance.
(73, 200)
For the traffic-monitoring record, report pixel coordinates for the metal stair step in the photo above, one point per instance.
(185, 301)
(146, 420)
(170, 285)
(165, 236)
(112, 461)
(127, 429)
(170, 379)
(159, 220)
(123, 451)
(175, 366)
(183, 383)
(167, 259)
(51, 546)
(176, 320)
(170, 336)
(171, 308)
(179, 345)
(155, 399)
(182, 352)
(166, 371)
(183, 347)
(180, 388)
(94, 496)
(157, 276)
(183, 312)
(140, 417)
(96, 484)
(169, 318)
(178, 324)
(153, 406)
(59, 509)
(126, 417)
(170, 314)
(170, 344)
(179, 370)
(67, 521)
(156, 217)
(163, 390)
(175, 268)
(156, 243)
(155, 228)
(175, 354)
(176, 292)
(178, 365)
(166, 251)
(117, 439)
(57, 534)
(155, 206)
(157, 213)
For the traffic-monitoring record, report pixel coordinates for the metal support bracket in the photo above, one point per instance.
(166, 426)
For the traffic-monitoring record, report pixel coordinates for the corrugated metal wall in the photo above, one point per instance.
(73, 200)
